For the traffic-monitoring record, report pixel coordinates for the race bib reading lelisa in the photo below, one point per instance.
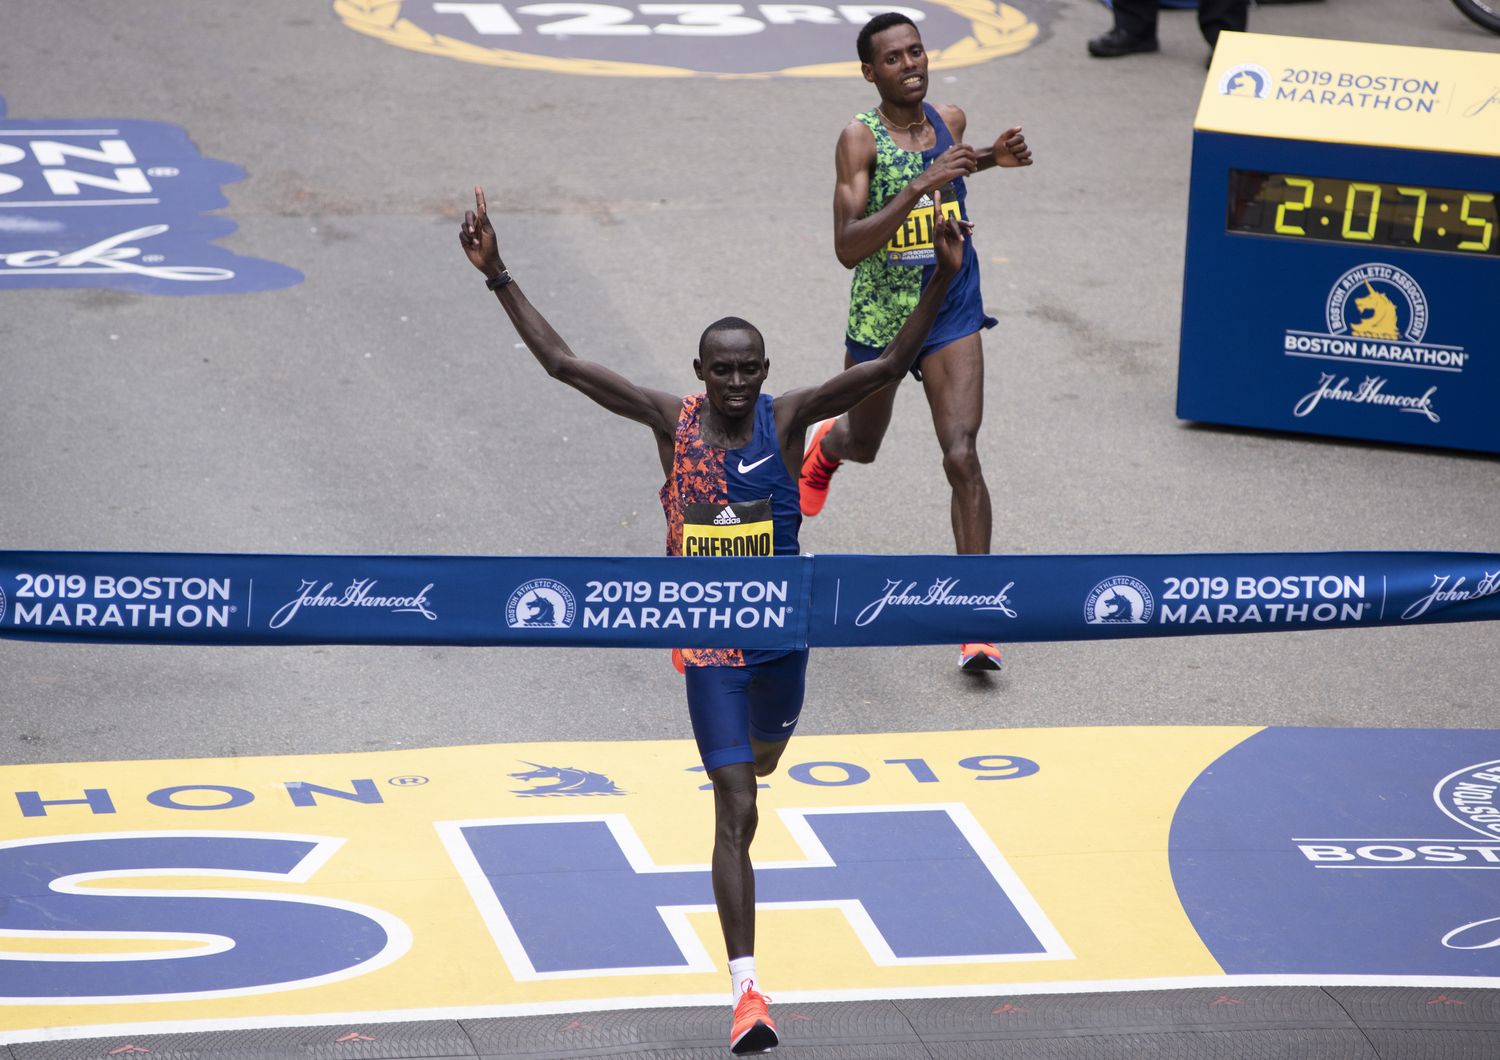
(912, 243)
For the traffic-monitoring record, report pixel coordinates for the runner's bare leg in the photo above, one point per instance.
(766, 755)
(857, 435)
(733, 877)
(954, 380)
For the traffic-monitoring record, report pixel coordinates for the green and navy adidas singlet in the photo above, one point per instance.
(887, 284)
(729, 502)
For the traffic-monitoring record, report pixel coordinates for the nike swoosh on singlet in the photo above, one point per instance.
(745, 468)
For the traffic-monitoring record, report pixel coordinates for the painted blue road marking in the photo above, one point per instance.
(118, 203)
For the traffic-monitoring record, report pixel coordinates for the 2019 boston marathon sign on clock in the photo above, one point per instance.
(119, 203)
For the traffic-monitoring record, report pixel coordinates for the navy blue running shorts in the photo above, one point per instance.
(730, 704)
(860, 353)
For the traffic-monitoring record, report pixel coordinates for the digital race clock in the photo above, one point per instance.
(1376, 214)
(1343, 252)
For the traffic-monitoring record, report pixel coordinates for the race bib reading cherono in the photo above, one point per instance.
(743, 529)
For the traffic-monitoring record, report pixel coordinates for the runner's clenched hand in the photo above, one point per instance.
(958, 161)
(477, 236)
(1011, 150)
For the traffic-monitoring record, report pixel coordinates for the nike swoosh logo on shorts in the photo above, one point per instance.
(745, 468)
(789, 724)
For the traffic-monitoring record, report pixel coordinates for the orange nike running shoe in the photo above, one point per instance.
(817, 469)
(753, 1030)
(980, 656)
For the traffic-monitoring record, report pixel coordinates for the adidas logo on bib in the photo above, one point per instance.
(727, 518)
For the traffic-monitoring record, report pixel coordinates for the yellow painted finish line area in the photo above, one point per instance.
(527, 878)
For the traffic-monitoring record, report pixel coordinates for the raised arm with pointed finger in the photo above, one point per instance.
(655, 408)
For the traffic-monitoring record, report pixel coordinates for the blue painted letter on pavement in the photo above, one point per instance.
(231, 943)
(576, 897)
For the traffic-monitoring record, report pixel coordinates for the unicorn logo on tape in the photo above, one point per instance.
(541, 603)
(1121, 600)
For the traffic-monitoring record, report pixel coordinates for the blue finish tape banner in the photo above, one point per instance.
(626, 602)
(874, 600)
(770, 603)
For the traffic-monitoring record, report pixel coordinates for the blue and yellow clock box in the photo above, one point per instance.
(1343, 248)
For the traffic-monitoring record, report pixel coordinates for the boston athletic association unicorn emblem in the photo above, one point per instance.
(1379, 320)
(537, 610)
(565, 781)
(1116, 607)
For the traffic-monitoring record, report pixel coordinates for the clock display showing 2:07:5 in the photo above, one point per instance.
(1376, 213)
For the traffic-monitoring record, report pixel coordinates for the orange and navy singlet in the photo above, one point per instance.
(729, 502)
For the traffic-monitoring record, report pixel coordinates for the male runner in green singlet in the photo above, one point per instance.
(730, 440)
(890, 161)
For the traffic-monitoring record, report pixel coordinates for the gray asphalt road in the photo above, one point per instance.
(382, 406)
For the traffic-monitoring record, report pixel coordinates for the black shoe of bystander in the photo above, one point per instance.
(1117, 42)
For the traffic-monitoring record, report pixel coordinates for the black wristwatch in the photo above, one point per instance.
(497, 282)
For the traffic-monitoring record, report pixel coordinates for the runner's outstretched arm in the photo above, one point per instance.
(856, 237)
(655, 408)
(799, 409)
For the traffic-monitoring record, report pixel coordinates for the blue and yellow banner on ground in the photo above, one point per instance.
(528, 878)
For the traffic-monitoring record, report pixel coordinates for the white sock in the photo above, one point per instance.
(741, 975)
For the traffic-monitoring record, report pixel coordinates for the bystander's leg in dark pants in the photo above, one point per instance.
(1134, 30)
(1135, 25)
(1217, 15)
(1137, 18)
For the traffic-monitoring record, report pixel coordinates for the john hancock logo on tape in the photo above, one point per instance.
(360, 593)
(1448, 589)
(541, 603)
(122, 203)
(941, 593)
